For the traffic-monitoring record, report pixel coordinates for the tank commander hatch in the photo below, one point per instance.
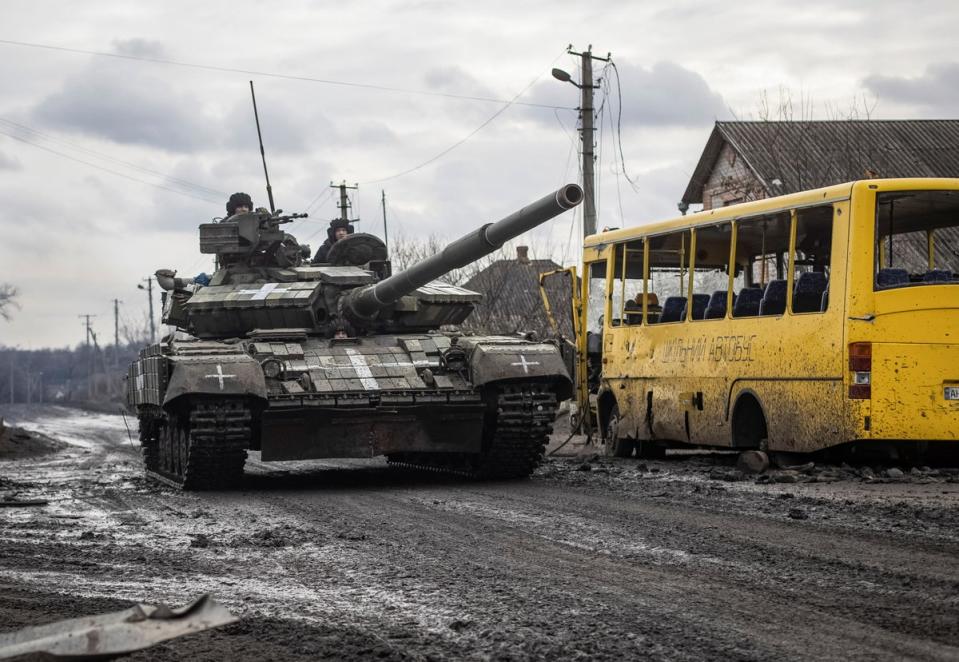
(338, 229)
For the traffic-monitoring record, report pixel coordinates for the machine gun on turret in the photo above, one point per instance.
(253, 239)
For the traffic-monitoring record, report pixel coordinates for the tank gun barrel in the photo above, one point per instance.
(366, 302)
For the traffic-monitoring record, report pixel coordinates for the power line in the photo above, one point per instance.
(268, 74)
(104, 169)
(472, 133)
(45, 136)
(619, 126)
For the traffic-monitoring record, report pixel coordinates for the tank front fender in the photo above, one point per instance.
(221, 375)
(540, 362)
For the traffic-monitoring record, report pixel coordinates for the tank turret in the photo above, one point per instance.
(262, 282)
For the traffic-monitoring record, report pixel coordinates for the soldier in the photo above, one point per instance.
(338, 229)
(239, 203)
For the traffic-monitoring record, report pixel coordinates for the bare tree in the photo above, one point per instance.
(8, 300)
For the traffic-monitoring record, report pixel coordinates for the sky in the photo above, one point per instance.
(110, 155)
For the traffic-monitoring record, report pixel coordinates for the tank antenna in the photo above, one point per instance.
(269, 189)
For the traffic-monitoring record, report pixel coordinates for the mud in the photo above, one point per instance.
(591, 558)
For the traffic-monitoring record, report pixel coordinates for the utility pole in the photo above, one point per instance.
(116, 332)
(90, 357)
(586, 86)
(149, 289)
(344, 204)
(386, 238)
(86, 325)
(13, 358)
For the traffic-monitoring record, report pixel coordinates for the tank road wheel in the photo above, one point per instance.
(203, 446)
(616, 446)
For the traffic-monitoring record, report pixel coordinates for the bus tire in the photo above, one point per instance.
(749, 423)
(615, 445)
(650, 450)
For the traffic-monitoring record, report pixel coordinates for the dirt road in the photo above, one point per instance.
(610, 559)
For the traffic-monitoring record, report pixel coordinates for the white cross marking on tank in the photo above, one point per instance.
(219, 376)
(526, 364)
(264, 291)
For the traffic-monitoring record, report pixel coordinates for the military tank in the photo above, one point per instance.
(343, 359)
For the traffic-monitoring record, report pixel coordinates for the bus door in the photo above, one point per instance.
(555, 288)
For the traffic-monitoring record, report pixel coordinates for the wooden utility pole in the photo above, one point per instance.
(386, 237)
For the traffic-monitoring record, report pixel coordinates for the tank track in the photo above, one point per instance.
(518, 426)
(201, 448)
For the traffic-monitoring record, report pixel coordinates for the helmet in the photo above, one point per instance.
(238, 200)
(337, 223)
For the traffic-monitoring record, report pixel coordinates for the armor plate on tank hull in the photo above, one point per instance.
(310, 433)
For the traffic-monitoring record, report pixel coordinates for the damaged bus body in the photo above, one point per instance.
(820, 319)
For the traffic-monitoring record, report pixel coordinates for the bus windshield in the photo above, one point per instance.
(917, 238)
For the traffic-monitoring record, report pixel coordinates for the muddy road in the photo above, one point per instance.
(603, 559)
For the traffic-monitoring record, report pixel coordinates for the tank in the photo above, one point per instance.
(344, 359)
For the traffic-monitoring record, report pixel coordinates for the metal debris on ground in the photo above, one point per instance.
(115, 634)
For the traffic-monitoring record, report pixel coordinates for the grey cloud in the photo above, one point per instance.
(456, 80)
(127, 104)
(288, 128)
(9, 162)
(138, 47)
(126, 109)
(937, 89)
(665, 94)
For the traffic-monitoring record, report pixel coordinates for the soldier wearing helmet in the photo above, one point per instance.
(339, 228)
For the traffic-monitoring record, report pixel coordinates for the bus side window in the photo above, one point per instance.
(762, 252)
(628, 283)
(812, 259)
(668, 276)
(710, 272)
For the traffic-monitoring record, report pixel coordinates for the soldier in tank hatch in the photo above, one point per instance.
(239, 203)
(338, 229)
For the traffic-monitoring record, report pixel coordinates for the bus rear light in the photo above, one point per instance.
(860, 365)
(860, 357)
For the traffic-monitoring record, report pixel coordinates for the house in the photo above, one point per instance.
(745, 161)
(511, 298)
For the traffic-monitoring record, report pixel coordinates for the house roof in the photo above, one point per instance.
(512, 302)
(806, 155)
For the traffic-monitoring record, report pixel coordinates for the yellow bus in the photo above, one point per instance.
(791, 324)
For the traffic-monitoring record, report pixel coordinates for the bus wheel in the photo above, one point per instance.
(749, 423)
(615, 446)
(650, 450)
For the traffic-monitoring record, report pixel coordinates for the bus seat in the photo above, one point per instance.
(716, 308)
(672, 309)
(747, 303)
(937, 276)
(774, 298)
(700, 301)
(892, 277)
(807, 296)
(825, 301)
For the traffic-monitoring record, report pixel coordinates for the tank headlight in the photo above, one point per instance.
(272, 368)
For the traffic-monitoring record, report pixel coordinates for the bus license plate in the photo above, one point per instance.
(952, 392)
